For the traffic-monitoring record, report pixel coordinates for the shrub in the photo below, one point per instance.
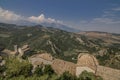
(67, 76)
(26, 70)
(16, 68)
(2, 69)
(38, 71)
(48, 70)
(88, 76)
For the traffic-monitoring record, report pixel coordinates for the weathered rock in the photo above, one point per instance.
(61, 66)
(45, 56)
(39, 59)
(108, 73)
(79, 70)
(87, 60)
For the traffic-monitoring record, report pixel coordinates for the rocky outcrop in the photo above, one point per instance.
(58, 65)
(39, 59)
(17, 50)
(45, 56)
(61, 66)
(89, 63)
(108, 73)
(87, 60)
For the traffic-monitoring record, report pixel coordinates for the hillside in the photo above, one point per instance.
(63, 44)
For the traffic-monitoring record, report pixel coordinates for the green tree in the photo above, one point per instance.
(2, 69)
(88, 76)
(38, 71)
(67, 76)
(48, 70)
(15, 67)
(26, 70)
(2, 47)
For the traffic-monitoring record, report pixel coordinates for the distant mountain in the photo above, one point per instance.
(61, 26)
(5, 25)
(63, 44)
(28, 24)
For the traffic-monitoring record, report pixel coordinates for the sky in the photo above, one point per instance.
(86, 15)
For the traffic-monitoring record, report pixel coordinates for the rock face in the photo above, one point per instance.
(89, 63)
(58, 65)
(87, 60)
(61, 66)
(45, 56)
(17, 50)
(39, 59)
(79, 70)
(108, 73)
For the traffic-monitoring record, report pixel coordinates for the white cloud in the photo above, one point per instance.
(116, 9)
(43, 19)
(11, 17)
(8, 16)
(102, 20)
(38, 19)
(101, 24)
(109, 21)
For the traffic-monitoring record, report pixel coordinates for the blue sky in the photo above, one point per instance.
(93, 15)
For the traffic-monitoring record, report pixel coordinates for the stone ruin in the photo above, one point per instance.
(85, 62)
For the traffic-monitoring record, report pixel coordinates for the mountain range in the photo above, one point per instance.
(63, 44)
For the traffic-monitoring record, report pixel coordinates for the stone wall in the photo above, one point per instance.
(108, 73)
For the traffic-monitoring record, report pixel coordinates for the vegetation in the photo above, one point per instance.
(83, 76)
(48, 70)
(67, 76)
(38, 71)
(15, 67)
(19, 69)
(88, 76)
(61, 44)
(2, 70)
(1, 47)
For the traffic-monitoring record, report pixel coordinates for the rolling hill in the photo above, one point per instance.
(63, 44)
